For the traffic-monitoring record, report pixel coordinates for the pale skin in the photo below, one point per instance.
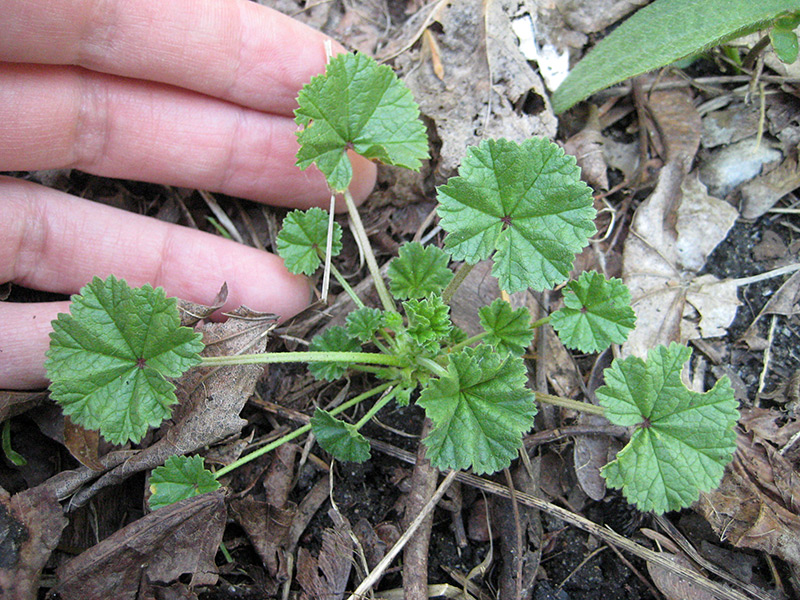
(191, 93)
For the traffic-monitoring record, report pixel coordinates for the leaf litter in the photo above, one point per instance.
(689, 300)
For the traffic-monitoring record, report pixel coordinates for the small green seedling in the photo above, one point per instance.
(524, 206)
(666, 31)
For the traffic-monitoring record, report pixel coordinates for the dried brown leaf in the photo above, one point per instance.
(763, 192)
(31, 523)
(587, 148)
(755, 505)
(671, 236)
(82, 444)
(182, 538)
(327, 575)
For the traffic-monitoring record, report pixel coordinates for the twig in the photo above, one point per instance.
(376, 573)
(607, 535)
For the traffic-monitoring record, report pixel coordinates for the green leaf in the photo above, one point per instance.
(509, 330)
(302, 240)
(110, 356)
(527, 202)
(418, 271)
(362, 105)
(479, 411)
(784, 42)
(596, 313)
(333, 339)
(683, 439)
(364, 322)
(659, 34)
(342, 440)
(179, 478)
(428, 320)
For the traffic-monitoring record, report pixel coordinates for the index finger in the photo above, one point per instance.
(235, 50)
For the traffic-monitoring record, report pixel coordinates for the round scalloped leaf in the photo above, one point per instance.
(524, 202)
(596, 313)
(479, 411)
(509, 330)
(179, 478)
(110, 356)
(342, 440)
(302, 240)
(333, 339)
(418, 271)
(364, 322)
(362, 105)
(683, 439)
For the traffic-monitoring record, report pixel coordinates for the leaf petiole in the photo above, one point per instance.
(299, 431)
(540, 322)
(370, 358)
(584, 407)
(347, 288)
(432, 366)
(457, 280)
(372, 264)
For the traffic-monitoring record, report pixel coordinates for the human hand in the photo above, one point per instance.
(191, 93)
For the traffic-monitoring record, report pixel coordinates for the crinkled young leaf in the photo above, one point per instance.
(418, 271)
(509, 330)
(179, 478)
(340, 439)
(428, 320)
(683, 439)
(362, 105)
(362, 323)
(524, 202)
(110, 356)
(302, 240)
(333, 339)
(596, 313)
(479, 411)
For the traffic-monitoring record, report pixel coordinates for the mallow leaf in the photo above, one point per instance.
(364, 322)
(342, 440)
(524, 202)
(479, 411)
(111, 355)
(509, 330)
(683, 439)
(361, 105)
(303, 238)
(428, 320)
(418, 271)
(784, 39)
(596, 313)
(659, 34)
(179, 478)
(333, 339)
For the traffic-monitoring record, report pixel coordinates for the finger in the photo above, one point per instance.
(56, 117)
(57, 242)
(24, 339)
(233, 49)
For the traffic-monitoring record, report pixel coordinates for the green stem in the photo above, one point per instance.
(456, 281)
(468, 342)
(432, 366)
(540, 322)
(298, 432)
(585, 407)
(370, 358)
(375, 408)
(372, 264)
(343, 282)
